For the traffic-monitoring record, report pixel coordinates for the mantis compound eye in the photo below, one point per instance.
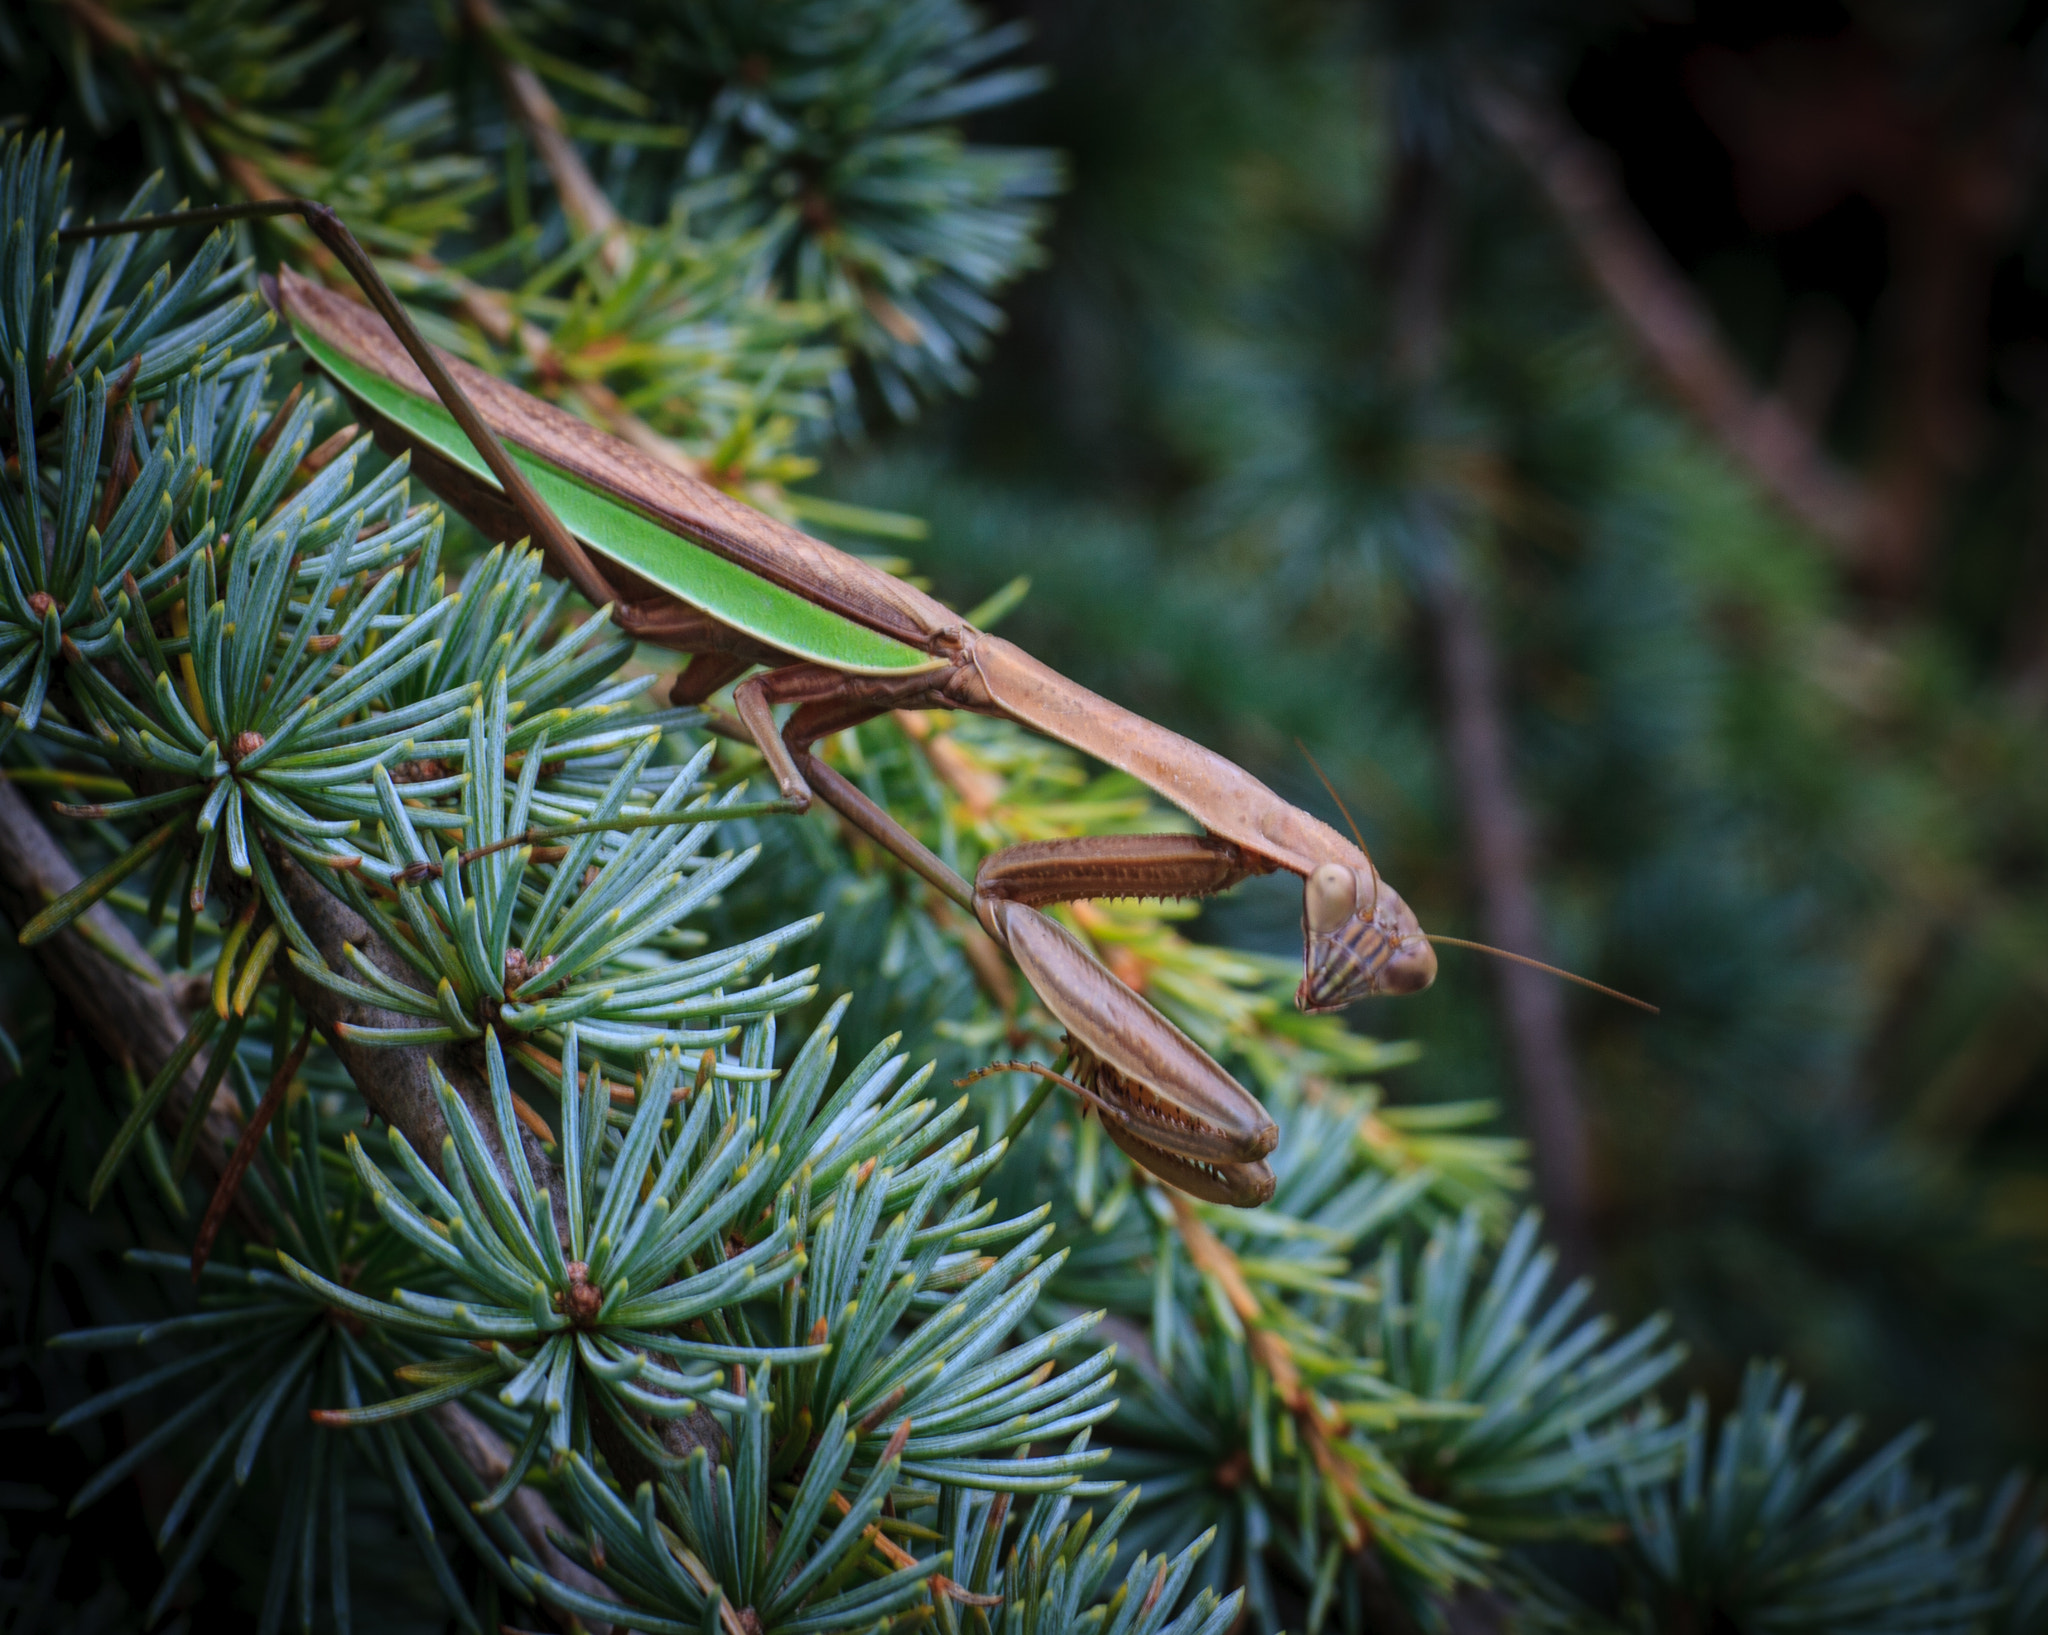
(1411, 961)
(1329, 897)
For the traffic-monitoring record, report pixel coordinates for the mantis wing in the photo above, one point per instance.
(610, 524)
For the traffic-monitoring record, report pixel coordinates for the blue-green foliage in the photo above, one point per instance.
(105, 306)
(493, 942)
(823, 136)
(1045, 1576)
(873, 1180)
(257, 1354)
(1767, 1523)
(845, 1337)
(1543, 1392)
(238, 715)
(717, 1547)
(1201, 1430)
(586, 1321)
(122, 313)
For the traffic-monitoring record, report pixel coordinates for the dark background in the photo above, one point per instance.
(1790, 789)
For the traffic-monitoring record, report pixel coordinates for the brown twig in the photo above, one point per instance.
(1497, 843)
(485, 1452)
(894, 1553)
(1489, 804)
(589, 210)
(490, 310)
(1320, 1432)
(1670, 322)
(1476, 740)
(583, 201)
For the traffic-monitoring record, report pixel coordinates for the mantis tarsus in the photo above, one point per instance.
(683, 566)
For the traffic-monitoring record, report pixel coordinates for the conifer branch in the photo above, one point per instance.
(583, 201)
(1319, 1432)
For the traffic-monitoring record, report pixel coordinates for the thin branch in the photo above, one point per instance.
(485, 1452)
(1490, 805)
(1659, 306)
(565, 554)
(491, 311)
(589, 211)
(1532, 1008)
(395, 1083)
(244, 1154)
(583, 201)
(1320, 1432)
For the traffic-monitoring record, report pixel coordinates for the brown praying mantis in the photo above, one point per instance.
(682, 566)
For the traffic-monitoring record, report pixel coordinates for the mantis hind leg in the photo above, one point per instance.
(828, 701)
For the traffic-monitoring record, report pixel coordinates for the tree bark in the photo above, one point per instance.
(395, 1082)
(1497, 843)
(485, 1452)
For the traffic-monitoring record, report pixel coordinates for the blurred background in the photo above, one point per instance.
(1611, 438)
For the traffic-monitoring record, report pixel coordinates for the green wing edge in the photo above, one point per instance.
(614, 530)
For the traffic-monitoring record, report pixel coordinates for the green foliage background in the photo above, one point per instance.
(1807, 826)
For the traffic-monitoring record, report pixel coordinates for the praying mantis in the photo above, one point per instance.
(753, 601)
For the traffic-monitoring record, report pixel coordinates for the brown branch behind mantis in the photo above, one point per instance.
(1669, 321)
(590, 210)
(1532, 1009)
(487, 308)
(583, 201)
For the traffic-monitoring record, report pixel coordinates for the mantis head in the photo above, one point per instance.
(1358, 938)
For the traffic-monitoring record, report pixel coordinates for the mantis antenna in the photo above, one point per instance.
(1553, 970)
(1350, 821)
(1462, 942)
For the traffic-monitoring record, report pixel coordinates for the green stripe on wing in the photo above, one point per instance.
(616, 531)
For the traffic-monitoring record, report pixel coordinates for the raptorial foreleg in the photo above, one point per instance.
(1172, 1107)
(1063, 871)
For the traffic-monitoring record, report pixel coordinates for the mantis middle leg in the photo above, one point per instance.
(1033, 873)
